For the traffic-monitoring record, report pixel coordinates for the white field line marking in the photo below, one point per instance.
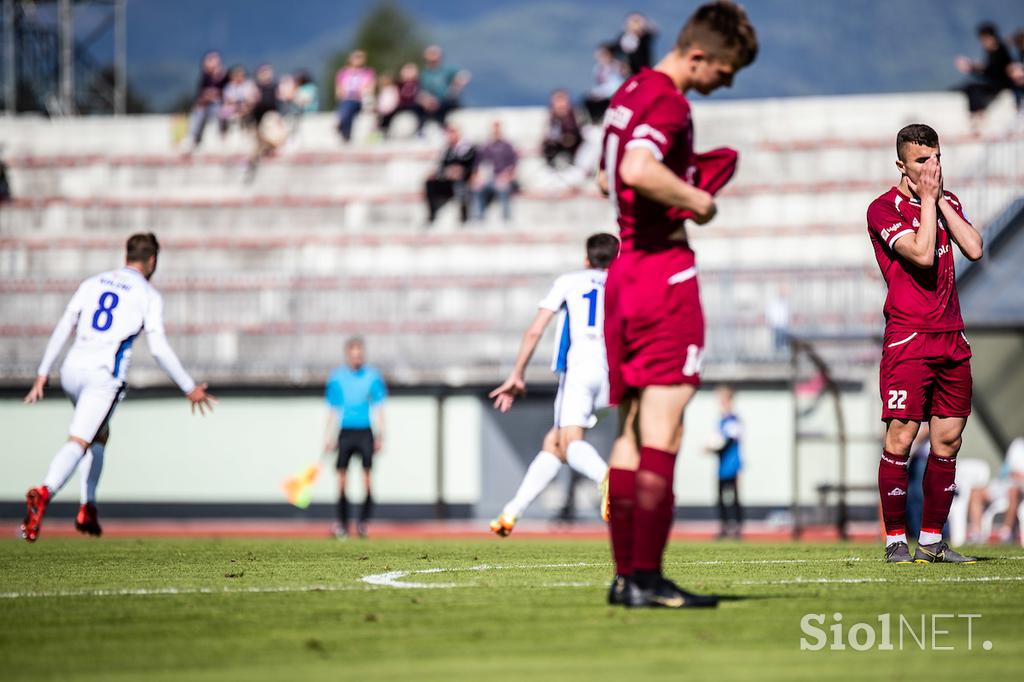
(727, 562)
(847, 581)
(394, 578)
(147, 592)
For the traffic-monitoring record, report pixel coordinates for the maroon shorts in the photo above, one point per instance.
(925, 375)
(653, 321)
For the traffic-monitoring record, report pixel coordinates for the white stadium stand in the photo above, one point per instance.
(264, 278)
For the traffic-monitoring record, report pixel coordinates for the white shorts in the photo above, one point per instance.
(580, 396)
(95, 394)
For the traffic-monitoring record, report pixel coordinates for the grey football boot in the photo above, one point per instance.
(898, 553)
(940, 552)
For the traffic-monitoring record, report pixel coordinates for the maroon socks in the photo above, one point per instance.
(893, 477)
(621, 502)
(652, 516)
(939, 489)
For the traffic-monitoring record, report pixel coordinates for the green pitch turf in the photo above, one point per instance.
(523, 610)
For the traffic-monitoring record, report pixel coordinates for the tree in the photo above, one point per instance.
(389, 36)
(99, 95)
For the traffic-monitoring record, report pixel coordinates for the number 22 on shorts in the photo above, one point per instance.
(897, 400)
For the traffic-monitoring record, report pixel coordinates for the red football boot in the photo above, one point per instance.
(87, 521)
(35, 502)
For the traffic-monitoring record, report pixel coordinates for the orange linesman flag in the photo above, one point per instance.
(299, 488)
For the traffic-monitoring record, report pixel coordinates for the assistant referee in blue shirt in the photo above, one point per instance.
(355, 424)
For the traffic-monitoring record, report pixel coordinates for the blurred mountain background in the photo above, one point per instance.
(519, 50)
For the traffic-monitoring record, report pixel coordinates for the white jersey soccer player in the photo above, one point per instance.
(579, 358)
(107, 313)
(582, 367)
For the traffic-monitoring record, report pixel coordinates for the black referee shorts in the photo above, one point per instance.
(352, 441)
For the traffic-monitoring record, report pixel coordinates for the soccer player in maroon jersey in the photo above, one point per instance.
(654, 324)
(925, 374)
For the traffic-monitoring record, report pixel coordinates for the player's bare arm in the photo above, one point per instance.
(919, 247)
(653, 179)
(515, 385)
(331, 430)
(962, 232)
(378, 430)
(602, 182)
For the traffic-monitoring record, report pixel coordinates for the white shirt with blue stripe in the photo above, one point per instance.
(107, 313)
(579, 338)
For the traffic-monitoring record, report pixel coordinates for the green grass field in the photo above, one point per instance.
(483, 610)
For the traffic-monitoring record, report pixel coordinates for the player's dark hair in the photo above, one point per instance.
(602, 248)
(987, 28)
(916, 133)
(141, 247)
(723, 29)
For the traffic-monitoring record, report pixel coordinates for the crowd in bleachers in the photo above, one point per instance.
(474, 173)
(265, 104)
(271, 108)
(473, 176)
(228, 97)
(430, 91)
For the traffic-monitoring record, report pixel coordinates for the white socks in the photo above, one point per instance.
(91, 468)
(927, 538)
(893, 539)
(63, 466)
(539, 474)
(581, 456)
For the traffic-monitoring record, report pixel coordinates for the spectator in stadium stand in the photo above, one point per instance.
(452, 175)
(212, 79)
(307, 96)
(495, 175)
(353, 84)
(609, 74)
(266, 94)
(563, 136)
(296, 97)
(286, 89)
(5, 186)
(441, 85)
(238, 97)
(986, 79)
(404, 97)
(270, 128)
(1017, 68)
(387, 99)
(636, 42)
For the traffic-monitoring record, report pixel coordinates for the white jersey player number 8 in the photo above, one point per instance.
(104, 315)
(107, 313)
